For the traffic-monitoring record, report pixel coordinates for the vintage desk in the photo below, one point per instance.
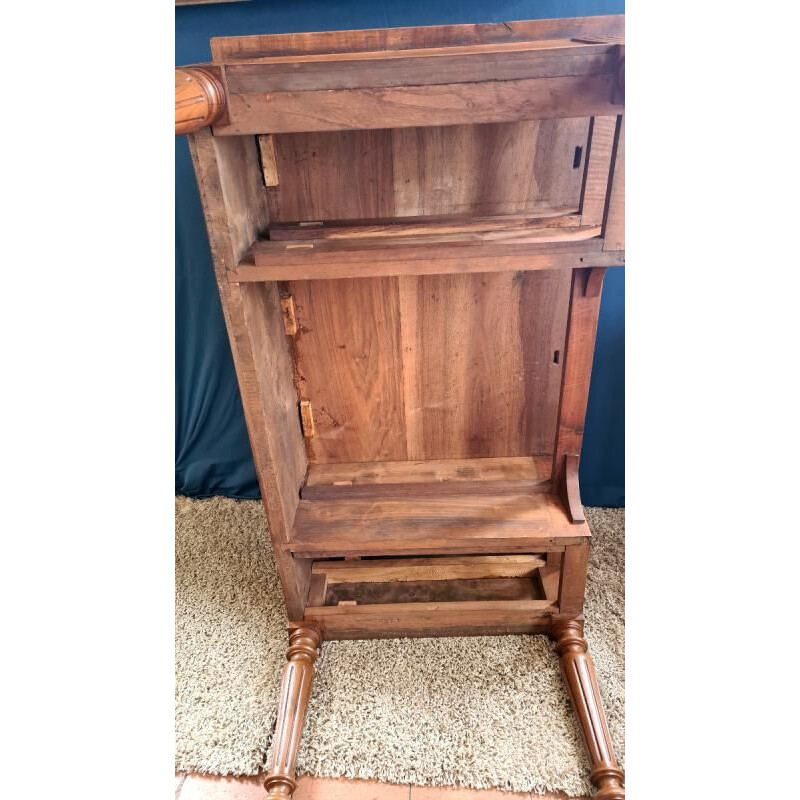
(410, 229)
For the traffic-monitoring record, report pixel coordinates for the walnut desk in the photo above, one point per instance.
(410, 229)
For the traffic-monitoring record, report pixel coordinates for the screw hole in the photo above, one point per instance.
(576, 161)
(556, 356)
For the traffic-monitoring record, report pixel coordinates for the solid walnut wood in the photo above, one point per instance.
(614, 229)
(423, 255)
(410, 230)
(445, 525)
(445, 75)
(199, 98)
(584, 310)
(434, 477)
(439, 568)
(579, 675)
(235, 209)
(298, 676)
(233, 49)
(442, 259)
(570, 489)
(462, 618)
(394, 227)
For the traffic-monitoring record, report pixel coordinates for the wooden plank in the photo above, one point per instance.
(521, 167)
(508, 168)
(581, 331)
(398, 227)
(441, 568)
(614, 229)
(574, 564)
(432, 619)
(338, 175)
(233, 48)
(426, 525)
(434, 477)
(348, 366)
(541, 49)
(392, 246)
(235, 210)
(567, 256)
(436, 591)
(329, 260)
(422, 67)
(408, 300)
(481, 359)
(598, 166)
(269, 165)
(412, 106)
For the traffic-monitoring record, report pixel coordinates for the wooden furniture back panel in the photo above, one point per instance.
(443, 366)
(349, 365)
(460, 169)
(439, 366)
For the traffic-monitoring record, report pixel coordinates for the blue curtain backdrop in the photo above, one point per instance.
(212, 452)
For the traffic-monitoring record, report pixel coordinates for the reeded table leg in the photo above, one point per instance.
(298, 675)
(578, 671)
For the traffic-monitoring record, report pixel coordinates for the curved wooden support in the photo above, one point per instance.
(570, 489)
(578, 671)
(199, 98)
(298, 674)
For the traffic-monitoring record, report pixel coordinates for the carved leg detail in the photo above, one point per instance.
(578, 671)
(298, 675)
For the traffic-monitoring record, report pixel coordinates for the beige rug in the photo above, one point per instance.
(480, 712)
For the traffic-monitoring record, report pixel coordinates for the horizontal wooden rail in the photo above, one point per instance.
(494, 226)
(449, 524)
(315, 260)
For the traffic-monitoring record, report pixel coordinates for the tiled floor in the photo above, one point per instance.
(208, 787)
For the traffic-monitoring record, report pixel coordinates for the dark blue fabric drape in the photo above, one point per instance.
(212, 453)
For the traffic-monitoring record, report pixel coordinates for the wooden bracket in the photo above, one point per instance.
(594, 282)
(570, 489)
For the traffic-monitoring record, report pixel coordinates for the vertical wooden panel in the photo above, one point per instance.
(557, 177)
(488, 169)
(581, 331)
(273, 371)
(412, 391)
(335, 175)
(543, 308)
(485, 382)
(614, 231)
(598, 167)
(235, 210)
(571, 589)
(349, 366)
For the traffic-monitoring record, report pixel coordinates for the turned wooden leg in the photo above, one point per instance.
(298, 675)
(578, 671)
